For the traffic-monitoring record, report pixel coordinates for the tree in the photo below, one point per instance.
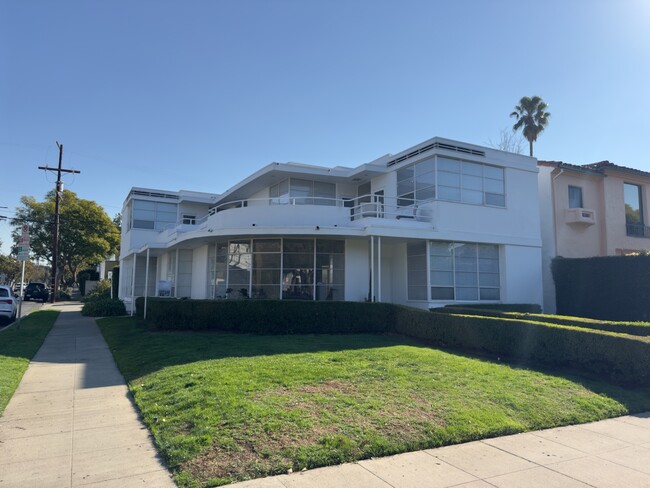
(508, 141)
(532, 116)
(86, 233)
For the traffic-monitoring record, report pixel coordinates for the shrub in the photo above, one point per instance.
(102, 291)
(618, 358)
(632, 328)
(499, 307)
(115, 282)
(61, 295)
(85, 275)
(103, 307)
(269, 316)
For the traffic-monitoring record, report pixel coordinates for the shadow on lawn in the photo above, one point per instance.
(141, 350)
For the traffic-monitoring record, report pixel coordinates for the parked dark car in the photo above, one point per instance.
(36, 291)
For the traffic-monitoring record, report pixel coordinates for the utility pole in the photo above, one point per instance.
(55, 243)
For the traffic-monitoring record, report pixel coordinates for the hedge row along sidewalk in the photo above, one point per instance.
(18, 347)
(620, 358)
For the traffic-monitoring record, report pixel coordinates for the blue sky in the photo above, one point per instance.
(199, 94)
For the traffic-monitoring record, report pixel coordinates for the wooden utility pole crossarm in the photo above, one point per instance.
(55, 243)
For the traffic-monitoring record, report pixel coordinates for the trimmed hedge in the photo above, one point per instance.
(103, 307)
(269, 316)
(500, 307)
(616, 357)
(632, 328)
(609, 288)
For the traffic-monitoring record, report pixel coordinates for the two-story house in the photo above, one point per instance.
(437, 223)
(598, 209)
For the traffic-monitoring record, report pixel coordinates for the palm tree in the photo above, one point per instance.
(531, 114)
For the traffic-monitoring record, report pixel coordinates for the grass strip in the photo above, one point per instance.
(18, 347)
(226, 407)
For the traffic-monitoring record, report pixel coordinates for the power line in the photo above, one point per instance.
(59, 191)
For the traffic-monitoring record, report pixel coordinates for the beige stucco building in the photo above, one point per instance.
(598, 209)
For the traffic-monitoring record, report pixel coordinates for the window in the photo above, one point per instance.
(456, 271)
(633, 210)
(575, 197)
(451, 180)
(303, 192)
(307, 269)
(153, 215)
(189, 219)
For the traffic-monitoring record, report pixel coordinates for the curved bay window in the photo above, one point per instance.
(274, 268)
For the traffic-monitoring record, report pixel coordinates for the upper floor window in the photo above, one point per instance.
(189, 219)
(575, 197)
(153, 215)
(297, 191)
(633, 210)
(451, 180)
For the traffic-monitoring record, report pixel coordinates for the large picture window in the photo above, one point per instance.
(296, 269)
(633, 210)
(452, 180)
(456, 271)
(296, 191)
(153, 215)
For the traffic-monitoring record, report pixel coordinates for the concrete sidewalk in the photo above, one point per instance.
(71, 421)
(612, 453)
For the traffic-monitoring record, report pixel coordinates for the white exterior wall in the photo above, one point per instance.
(521, 278)
(200, 272)
(547, 225)
(357, 276)
(184, 277)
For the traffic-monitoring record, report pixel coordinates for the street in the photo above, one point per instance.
(28, 307)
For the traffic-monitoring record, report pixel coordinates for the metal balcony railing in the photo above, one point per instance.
(637, 230)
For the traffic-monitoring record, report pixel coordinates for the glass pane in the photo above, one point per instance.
(466, 264)
(327, 245)
(472, 169)
(405, 186)
(417, 262)
(405, 173)
(493, 186)
(442, 278)
(329, 276)
(416, 248)
(438, 293)
(417, 277)
(575, 197)
(493, 172)
(439, 263)
(494, 199)
(465, 250)
(437, 248)
(143, 224)
(472, 182)
(488, 251)
(633, 212)
(266, 277)
(266, 245)
(466, 279)
(238, 276)
(488, 265)
(472, 197)
(449, 193)
(266, 292)
(322, 189)
(451, 165)
(417, 292)
(489, 279)
(333, 261)
(298, 245)
(143, 205)
(296, 260)
(240, 261)
(490, 294)
(426, 193)
(423, 167)
(266, 260)
(327, 292)
(236, 247)
(426, 179)
(466, 293)
(449, 179)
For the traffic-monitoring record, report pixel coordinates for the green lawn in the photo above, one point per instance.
(17, 348)
(226, 407)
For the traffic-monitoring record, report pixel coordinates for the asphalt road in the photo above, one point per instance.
(28, 307)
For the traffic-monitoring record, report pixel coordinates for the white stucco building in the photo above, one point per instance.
(597, 209)
(437, 223)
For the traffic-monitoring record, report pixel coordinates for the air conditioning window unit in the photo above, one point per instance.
(580, 216)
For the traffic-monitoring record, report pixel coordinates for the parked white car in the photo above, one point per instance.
(8, 304)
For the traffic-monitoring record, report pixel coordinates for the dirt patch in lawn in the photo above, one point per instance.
(317, 419)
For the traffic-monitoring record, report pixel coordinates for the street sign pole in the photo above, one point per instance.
(20, 299)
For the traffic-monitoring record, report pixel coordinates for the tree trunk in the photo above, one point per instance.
(531, 148)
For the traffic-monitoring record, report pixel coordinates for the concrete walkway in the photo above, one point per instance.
(71, 421)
